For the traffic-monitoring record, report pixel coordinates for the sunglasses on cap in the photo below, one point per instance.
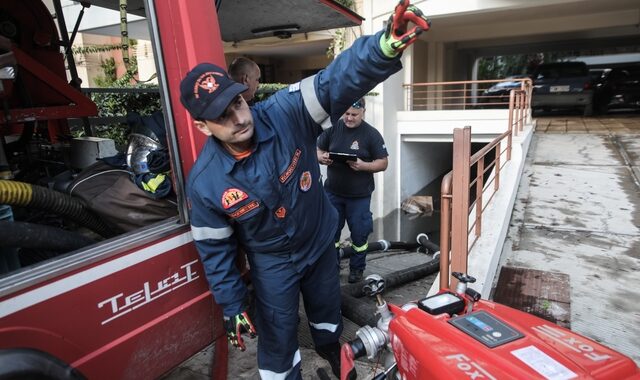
(357, 105)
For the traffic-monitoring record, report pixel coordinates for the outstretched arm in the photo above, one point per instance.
(357, 70)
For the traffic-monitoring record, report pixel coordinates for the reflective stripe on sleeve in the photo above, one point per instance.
(311, 101)
(203, 233)
(265, 374)
(324, 326)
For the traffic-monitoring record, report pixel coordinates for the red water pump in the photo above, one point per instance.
(456, 335)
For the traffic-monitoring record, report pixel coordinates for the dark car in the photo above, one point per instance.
(563, 85)
(498, 94)
(619, 88)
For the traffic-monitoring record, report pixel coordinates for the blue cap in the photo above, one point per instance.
(207, 91)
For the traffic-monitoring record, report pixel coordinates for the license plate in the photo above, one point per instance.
(559, 89)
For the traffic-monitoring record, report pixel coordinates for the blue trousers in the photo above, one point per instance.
(278, 285)
(356, 212)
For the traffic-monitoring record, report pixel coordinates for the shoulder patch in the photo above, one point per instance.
(305, 181)
(294, 87)
(232, 196)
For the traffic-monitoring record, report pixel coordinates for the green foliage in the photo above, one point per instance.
(92, 49)
(346, 3)
(265, 90)
(337, 43)
(340, 35)
(119, 104)
(109, 77)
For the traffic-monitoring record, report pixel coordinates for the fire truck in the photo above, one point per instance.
(123, 305)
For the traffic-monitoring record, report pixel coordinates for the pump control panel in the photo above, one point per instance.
(486, 328)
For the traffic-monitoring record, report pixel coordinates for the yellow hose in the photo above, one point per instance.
(15, 193)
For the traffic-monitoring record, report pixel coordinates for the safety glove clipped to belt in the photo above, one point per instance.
(235, 326)
(396, 37)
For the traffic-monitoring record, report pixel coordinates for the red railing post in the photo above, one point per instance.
(497, 167)
(445, 230)
(460, 201)
(479, 189)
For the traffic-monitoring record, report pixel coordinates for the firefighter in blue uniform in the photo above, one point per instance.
(256, 186)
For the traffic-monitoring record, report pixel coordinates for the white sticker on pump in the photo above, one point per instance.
(543, 363)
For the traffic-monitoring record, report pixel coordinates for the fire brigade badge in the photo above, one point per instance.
(305, 181)
(232, 197)
(206, 82)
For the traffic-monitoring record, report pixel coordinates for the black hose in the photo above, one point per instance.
(358, 310)
(422, 241)
(23, 194)
(37, 236)
(364, 313)
(380, 245)
(397, 278)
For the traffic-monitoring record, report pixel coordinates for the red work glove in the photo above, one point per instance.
(235, 326)
(396, 37)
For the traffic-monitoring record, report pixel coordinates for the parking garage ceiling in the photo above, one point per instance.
(588, 26)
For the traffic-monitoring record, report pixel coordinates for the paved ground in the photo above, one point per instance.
(577, 213)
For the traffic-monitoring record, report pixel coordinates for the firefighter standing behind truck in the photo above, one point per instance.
(350, 183)
(256, 184)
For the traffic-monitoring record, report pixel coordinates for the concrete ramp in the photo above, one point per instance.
(577, 212)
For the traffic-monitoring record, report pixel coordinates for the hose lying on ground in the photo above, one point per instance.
(362, 312)
(422, 241)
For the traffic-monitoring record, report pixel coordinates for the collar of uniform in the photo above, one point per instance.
(261, 131)
(227, 161)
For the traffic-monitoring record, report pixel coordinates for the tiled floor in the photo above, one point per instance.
(613, 123)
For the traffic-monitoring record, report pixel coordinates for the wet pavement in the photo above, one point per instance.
(577, 213)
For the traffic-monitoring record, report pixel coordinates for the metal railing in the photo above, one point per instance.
(469, 188)
(463, 95)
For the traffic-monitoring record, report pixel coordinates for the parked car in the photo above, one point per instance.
(499, 92)
(619, 88)
(597, 75)
(563, 85)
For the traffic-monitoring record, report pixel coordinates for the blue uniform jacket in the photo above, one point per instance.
(272, 202)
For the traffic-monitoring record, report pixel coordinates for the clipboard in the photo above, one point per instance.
(342, 157)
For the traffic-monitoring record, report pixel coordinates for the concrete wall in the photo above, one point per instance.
(439, 125)
(422, 163)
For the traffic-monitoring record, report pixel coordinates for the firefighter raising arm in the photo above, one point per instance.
(255, 184)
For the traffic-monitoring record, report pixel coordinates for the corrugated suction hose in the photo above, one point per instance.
(23, 194)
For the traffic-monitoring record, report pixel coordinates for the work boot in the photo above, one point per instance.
(331, 353)
(355, 275)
